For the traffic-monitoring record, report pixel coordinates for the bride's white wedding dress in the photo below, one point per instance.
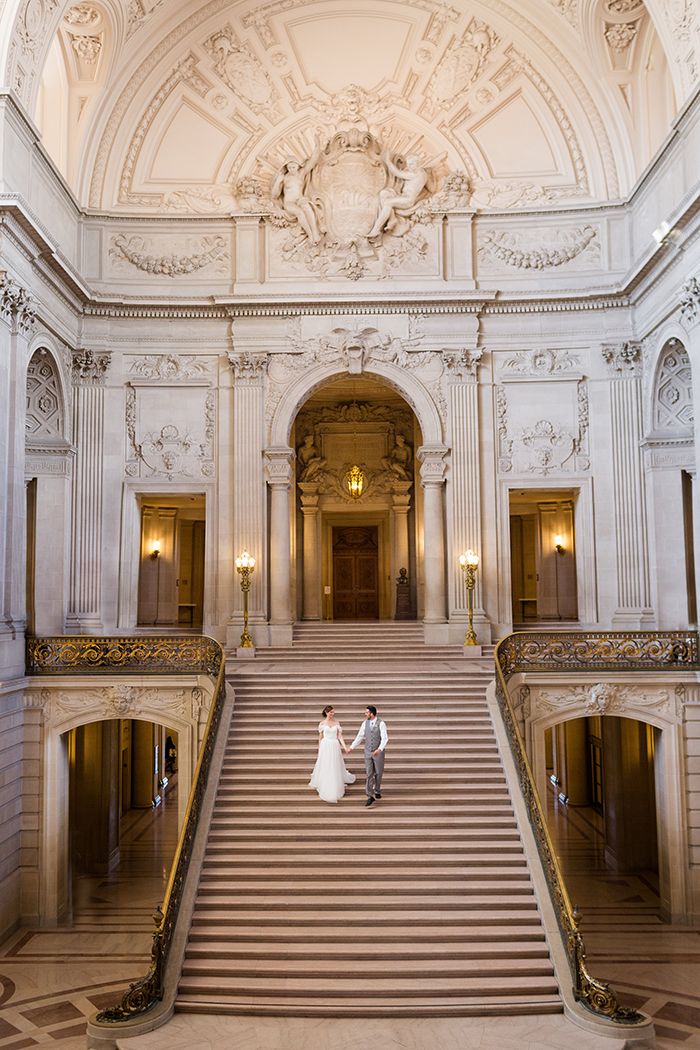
(330, 775)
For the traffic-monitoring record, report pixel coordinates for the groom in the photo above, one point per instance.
(373, 732)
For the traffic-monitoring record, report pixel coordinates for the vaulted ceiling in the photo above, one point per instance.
(181, 106)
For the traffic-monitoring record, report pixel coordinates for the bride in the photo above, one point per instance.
(330, 775)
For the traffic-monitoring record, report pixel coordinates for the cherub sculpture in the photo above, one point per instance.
(414, 178)
(289, 188)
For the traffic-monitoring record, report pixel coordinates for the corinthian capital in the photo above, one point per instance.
(462, 364)
(89, 367)
(17, 306)
(690, 301)
(623, 358)
(247, 366)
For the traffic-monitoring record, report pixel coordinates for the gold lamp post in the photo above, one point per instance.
(245, 565)
(469, 562)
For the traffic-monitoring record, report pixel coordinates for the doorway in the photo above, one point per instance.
(543, 556)
(355, 572)
(171, 576)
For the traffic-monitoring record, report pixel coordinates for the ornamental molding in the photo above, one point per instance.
(204, 253)
(17, 306)
(239, 68)
(172, 451)
(58, 706)
(544, 251)
(89, 368)
(84, 15)
(541, 363)
(544, 447)
(689, 302)
(623, 359)
(673, 408)
(279, 466)
(604, 698)
(432, 459)
(352, 208)
(170, 367)
(45, 411)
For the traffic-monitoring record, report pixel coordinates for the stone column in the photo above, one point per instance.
(85, 585)
(278, 464)
(432, 472)
(400, 553)
(249, 508)
(16, 320)
(633, 607)
(464, 489)
(311, 596)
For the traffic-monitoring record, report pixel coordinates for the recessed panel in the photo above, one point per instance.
(514, 142)
(190, 148)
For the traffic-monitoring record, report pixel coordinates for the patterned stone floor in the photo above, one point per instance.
(52, 980)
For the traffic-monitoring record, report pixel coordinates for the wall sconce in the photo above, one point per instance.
(245, 565)
(559, 544)
(469, 563)
(155, 550)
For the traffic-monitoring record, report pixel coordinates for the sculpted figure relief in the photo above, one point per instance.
(310, 459)
(399, 459)
(392, 204)
(289, 188)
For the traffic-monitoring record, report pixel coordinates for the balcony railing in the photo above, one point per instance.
(144, 655)
(607, 651)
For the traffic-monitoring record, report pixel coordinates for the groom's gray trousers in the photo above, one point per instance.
(374, 767)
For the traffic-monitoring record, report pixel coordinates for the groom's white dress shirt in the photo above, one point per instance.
(371, 722)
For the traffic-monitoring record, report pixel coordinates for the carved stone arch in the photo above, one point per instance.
(666, 715)
(47, 415)
(405, 384)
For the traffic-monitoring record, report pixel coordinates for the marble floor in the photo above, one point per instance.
(52, 980)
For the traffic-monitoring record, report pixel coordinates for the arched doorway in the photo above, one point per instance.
(358, 503)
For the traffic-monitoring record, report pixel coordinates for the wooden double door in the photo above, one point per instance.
(356, 572)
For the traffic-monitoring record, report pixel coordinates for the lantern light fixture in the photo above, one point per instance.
(355, 481)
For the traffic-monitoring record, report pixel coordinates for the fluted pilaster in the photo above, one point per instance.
(278, 465)
(432, 473)
(249, 496)
(633, 607)
(85, 588)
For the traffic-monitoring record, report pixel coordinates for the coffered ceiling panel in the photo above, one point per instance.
(326, 48)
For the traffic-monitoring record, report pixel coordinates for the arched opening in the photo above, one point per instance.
(357, 503)
(122, 805)
(48, 457)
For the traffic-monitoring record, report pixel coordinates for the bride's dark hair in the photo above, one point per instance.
(327, 708)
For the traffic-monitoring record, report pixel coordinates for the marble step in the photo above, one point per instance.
(396, 941)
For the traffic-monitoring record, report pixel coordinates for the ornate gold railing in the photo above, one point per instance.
(591, 651)
(169, 655)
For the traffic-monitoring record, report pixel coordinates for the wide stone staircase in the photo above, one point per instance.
(420, 905)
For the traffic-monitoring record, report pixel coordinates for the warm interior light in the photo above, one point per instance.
(559, 543)
(155, 549)
(245, 561)
(355, 481)
(470, 558)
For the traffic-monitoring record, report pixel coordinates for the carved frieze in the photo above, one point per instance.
(541, 363)
(461, 64)
(546, 250)
(207, 252)
(603, 698)
(170, 367)
(241, 71)
(58, 706)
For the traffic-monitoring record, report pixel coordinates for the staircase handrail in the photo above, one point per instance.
(622, 651)
(179, 654)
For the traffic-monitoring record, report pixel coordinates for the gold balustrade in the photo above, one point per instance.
(609, 651)
(147, 655)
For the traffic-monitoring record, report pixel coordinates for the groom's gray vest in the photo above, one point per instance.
(373, 737)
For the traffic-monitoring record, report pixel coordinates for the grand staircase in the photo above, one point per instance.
(420, 905)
